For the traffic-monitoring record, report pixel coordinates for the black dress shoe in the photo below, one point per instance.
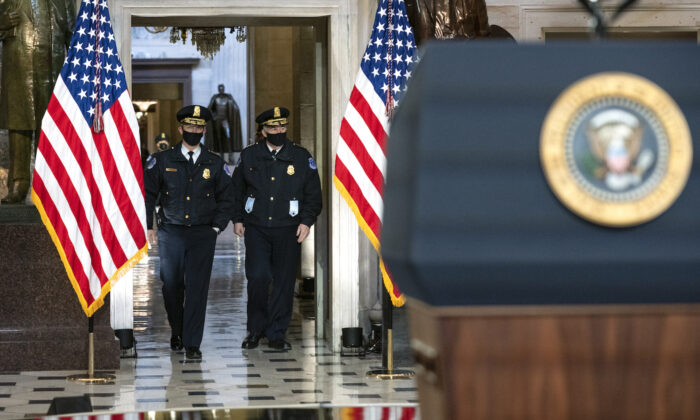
(280, 345)
(128, 353)
(251, 341)
(176, 343)
(193, 353)
(127, 343)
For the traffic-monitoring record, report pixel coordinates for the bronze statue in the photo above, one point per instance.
(449, 19)
(35, 36)
(225, 133)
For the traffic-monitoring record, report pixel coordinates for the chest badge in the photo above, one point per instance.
(290, 170)
(206, 174)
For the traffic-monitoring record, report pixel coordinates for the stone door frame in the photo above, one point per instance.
(342, 64)
(536, 20)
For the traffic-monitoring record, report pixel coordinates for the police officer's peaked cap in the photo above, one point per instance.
(273, 116)
(162, 141)
(161, 137)
(194, 115)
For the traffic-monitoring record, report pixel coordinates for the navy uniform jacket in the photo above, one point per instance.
(201, 196)
(279, 191)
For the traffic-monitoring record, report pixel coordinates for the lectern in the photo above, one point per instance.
(543, 218)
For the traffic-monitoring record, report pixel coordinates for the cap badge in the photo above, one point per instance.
(197, 111)
(277, 112)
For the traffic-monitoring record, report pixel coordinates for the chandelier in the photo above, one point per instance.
(208, 41)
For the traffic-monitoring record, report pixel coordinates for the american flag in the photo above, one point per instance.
(360, 162)
(88, 179)
(383, 413)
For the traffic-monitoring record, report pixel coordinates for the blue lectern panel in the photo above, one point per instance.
(470, 218)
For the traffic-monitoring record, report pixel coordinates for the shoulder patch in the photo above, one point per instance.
(151, 162)
(227, 169)
(312, 164)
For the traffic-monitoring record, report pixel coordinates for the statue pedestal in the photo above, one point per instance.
(42, 326)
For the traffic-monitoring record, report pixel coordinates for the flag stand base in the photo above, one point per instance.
(94, 379)
(390, 374)
(91, 377)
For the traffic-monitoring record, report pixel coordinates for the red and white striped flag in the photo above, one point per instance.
(377, 413)
(88, 179)
(360, 162)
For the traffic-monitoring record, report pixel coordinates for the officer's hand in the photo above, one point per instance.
(152, 237)
(238, 229)
(302, 233)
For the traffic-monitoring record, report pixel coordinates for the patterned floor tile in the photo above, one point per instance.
(309, 375)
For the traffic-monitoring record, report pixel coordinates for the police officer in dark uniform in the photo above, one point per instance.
(278, 197)
(193, 188)
(162, 142)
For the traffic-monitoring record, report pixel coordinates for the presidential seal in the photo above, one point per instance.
(616, 149)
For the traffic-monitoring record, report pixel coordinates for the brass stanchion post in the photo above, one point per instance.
(387, 371)
(91, 377)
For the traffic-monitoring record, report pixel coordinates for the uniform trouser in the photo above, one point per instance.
(186, 257)
(272, 257)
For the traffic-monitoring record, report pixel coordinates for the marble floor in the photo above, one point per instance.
(228, 377)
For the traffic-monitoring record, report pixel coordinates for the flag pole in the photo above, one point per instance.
(387, 371)
(91, 377)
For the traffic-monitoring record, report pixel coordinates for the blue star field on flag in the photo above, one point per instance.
(391, 52)
(92, 70)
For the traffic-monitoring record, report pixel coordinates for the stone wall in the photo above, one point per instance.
(273, 67)
(531, 20)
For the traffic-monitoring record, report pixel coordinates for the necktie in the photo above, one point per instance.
(191, 161)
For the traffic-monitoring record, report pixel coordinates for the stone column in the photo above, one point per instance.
(304, 115)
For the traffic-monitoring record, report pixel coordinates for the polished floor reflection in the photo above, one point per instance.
(227, 377)
(290, 413)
